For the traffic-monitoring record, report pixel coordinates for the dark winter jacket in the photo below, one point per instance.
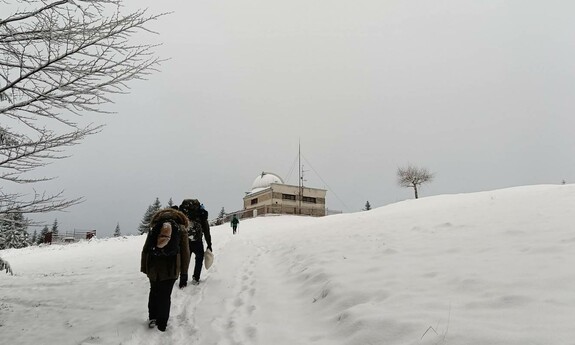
(235, 221)
(159, 268)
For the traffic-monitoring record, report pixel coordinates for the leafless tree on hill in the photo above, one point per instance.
(412, 177)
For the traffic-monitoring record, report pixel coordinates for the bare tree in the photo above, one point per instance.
(59, 59)
(412, 177)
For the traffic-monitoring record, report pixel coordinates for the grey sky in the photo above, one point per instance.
(479, 92)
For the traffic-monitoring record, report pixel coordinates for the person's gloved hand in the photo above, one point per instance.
(183, 280)
(210, 247)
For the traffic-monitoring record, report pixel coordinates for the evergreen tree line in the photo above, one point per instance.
(14, 232)
(39, 239)
(144, 226)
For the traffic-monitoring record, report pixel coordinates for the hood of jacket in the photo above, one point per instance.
(168, 214)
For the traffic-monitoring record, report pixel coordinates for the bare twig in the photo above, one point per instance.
(60, 59)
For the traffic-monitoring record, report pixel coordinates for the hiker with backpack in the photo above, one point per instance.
(165, 257)
(234, 223)
(197, 230)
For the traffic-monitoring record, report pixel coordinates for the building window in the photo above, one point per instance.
(309, 199)
(288, 197)
(254, 201)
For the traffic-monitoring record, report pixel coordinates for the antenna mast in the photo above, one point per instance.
(300, 179)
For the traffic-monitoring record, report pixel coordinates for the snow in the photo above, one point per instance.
(484, 268)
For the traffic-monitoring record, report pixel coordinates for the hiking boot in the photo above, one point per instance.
(162, 324)
(152, 323)
(195, 281)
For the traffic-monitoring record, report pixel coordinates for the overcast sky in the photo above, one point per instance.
(478, 92)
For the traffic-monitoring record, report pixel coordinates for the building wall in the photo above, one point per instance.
(272, 200)
(263, 198)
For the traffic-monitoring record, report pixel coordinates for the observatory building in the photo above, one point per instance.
(270, 195)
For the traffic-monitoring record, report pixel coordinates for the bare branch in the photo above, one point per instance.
(60, 59)
(32, 14)
(38, 203)
(21, 155)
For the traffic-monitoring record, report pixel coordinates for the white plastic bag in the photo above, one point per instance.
(208, 259)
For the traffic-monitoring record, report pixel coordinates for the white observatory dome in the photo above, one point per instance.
(264, 180)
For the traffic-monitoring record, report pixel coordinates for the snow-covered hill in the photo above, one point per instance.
(484, 268)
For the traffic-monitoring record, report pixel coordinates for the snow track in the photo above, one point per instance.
(223, 311)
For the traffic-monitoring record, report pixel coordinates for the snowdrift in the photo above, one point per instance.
(483, 268)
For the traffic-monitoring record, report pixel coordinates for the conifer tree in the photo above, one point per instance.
(157, 205)
(34, 237)
(221, 215)
(55, 228)
(13, 231)
(3, 234)
(367, 206)
(170, 203)
(145, 223)
(43, 233)
(117, 232)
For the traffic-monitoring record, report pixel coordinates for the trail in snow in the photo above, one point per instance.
(222, 310)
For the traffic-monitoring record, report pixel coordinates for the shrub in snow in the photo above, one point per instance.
(4, 265)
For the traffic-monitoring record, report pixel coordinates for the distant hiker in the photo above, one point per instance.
(234, 223)
(165, 257)
(198, 228)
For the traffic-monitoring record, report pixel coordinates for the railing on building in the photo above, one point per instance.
(268, 210)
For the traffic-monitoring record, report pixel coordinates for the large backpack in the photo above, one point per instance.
(195, 231)
(196, 215)
(156, 242)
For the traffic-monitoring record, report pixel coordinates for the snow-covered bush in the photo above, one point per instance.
(4, 265)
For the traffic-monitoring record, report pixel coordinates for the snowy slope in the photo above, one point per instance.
(484, 268)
